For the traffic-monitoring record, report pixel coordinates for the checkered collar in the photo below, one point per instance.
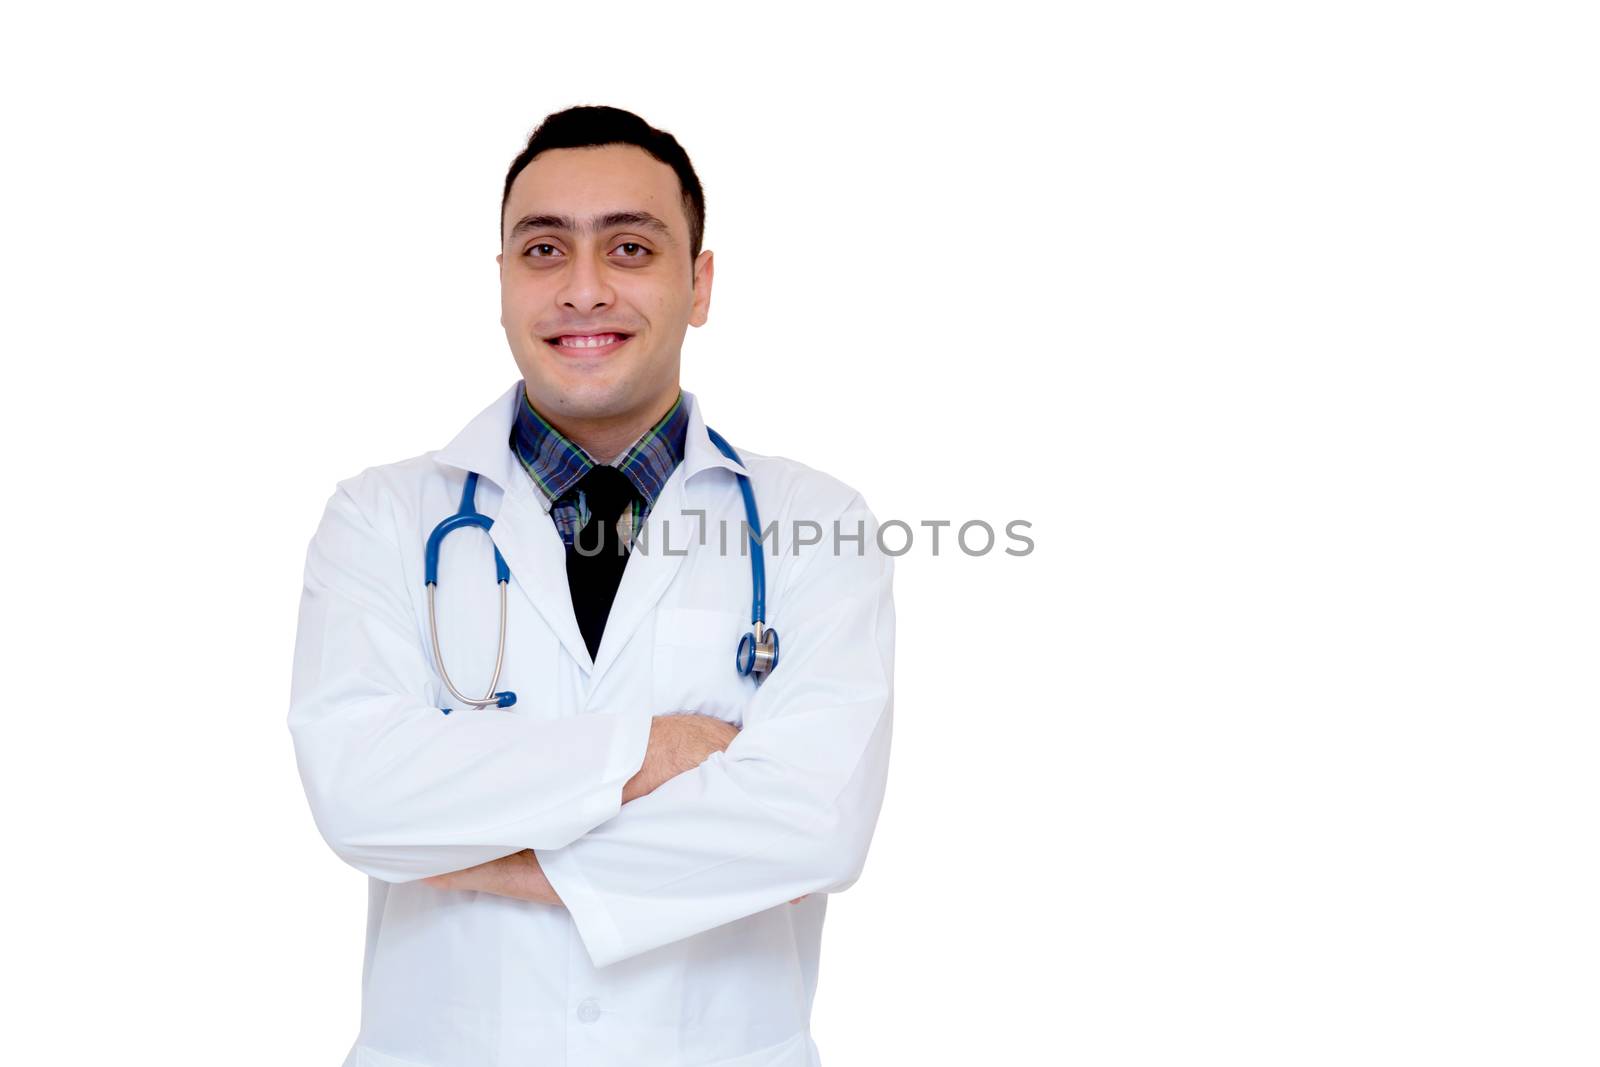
(556, 464)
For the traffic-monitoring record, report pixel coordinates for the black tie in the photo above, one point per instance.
(598, 555)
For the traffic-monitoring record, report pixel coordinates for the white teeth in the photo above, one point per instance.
(589, 340)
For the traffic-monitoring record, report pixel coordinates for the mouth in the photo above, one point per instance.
(588, 344)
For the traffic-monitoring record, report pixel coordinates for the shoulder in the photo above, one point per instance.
(390, 496)
(827, 536)
(380, 486)
(799, 491)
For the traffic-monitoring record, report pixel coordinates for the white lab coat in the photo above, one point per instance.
(677, 944)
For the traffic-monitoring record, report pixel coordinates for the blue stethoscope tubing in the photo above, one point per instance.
(466, 515)
(758, 648)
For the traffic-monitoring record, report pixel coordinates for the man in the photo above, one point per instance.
(631, 863)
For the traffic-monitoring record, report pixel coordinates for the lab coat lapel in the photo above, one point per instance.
(532, 548)
(650, 569)
(522, 529)
(669, 535)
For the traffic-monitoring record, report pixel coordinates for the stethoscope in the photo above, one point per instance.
(758, 648)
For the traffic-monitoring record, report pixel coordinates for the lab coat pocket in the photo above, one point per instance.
(693, 667)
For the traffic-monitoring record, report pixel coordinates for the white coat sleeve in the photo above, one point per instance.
(789, 808)
(398, 789)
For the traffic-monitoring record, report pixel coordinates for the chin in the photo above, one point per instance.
(583, 395)
(584, 388)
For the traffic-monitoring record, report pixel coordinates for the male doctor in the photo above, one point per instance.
(631, 864)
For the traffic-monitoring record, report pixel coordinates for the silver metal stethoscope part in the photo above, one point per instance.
(499, 657)
(766, 650)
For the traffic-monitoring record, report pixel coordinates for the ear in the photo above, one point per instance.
(700, 310)
(500, 262)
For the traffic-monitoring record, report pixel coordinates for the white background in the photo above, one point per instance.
(1277, 321)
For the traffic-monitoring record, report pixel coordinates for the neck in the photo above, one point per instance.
(605, 436)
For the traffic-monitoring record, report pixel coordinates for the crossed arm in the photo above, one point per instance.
(677, 744)
(645, 830)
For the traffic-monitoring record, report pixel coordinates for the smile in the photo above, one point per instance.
(588, 343)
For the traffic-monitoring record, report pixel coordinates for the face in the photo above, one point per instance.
(596, 286)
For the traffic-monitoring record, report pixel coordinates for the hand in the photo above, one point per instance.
(517, 875)
(678, 743)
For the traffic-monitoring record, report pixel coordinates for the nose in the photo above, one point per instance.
(584, 287)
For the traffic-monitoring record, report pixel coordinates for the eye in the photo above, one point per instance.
(634, 250)
(541, 251)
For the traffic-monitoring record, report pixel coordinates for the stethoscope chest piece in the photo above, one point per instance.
(758, 652)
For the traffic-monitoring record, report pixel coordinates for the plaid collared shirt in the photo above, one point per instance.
(556, 465)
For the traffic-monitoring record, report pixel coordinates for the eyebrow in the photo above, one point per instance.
(610, 221)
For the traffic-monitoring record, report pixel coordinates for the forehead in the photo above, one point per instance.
(588, 182)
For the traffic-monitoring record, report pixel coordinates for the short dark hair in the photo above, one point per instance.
(591, 127)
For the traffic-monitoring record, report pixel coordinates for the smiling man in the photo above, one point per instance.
(622, 851)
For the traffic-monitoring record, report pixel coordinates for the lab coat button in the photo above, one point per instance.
(589, 1010)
